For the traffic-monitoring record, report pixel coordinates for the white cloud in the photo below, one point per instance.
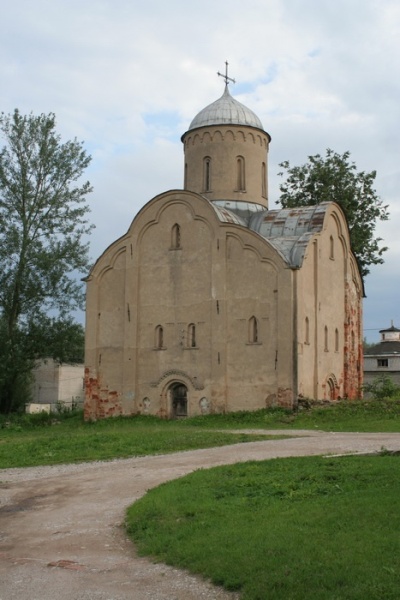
(127, 77)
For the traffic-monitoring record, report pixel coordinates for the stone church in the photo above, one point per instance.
(213, 303)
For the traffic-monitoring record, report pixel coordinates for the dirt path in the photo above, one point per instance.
(61, 533)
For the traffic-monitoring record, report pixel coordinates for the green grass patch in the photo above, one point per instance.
(349, 415)
(315, 528)
(29, 440)
(48, 440)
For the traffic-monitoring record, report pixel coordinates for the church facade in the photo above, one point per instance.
(213, 303)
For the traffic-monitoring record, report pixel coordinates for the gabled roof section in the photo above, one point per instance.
(289, 230)
(227, 216)
(383, 348)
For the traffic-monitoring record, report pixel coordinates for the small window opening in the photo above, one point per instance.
(253, 330)
(264, 180)
(176, 236)
(326, 346)
(240, 174)
(159, 337)
(207, 174)
(383, 362)
(336, 340)
(331, 248)
(191, 336)
(307, 332)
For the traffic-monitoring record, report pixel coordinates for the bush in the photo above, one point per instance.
(382, 387)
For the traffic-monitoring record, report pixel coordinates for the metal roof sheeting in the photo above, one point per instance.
(227, 216)
(226, 111)
(288, 230)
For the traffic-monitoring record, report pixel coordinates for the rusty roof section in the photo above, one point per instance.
(227, 216)
(290, 222)
(288, 230)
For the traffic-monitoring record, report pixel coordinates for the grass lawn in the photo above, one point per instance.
(30, 440)
(360, 415)
(293, 529)
(47, 440)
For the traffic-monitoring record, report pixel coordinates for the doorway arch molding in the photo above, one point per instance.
(172, 375)
(332, 387)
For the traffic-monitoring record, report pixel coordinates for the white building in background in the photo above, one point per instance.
(384, 357)
(56, 384)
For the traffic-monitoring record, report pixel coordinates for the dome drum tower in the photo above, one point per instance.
(226, 150)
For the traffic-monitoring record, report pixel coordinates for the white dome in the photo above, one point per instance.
(226, 111)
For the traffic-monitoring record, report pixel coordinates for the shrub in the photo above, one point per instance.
(382, 387)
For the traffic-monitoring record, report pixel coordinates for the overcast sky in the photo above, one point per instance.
(127, 77)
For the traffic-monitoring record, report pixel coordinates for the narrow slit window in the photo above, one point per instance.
(326, 345)
(264, 180)
(331, 248)
(336, 340)
(159, 337)
(207, 174)
(307, 331)
(191, 337)
(253, 330)
(240, 174)
(176, 236)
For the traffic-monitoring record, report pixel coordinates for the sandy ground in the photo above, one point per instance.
(61, 527)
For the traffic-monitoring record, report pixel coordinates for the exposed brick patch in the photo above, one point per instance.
(100, 402)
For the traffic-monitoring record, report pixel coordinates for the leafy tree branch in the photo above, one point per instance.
(334, 178)
(43, 222)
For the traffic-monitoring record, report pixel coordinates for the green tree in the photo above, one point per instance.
(43, 219)
(382, 388)
(336, 179)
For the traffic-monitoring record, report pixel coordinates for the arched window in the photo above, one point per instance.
(176, 236)
(307, 331)
(264, 180)
(207, 174)
(240, 174)
(159, 337)
(191, 336)
(331, 248)
(253, 330)
(326, 345)
(336, 340)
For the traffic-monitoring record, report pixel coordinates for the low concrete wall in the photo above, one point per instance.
(34, 407)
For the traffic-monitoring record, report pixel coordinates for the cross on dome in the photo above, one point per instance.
(227, 79)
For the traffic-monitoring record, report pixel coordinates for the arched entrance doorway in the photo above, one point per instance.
(178, 395)
(332, 389)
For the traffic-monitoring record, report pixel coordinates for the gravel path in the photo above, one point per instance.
(61, 527)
